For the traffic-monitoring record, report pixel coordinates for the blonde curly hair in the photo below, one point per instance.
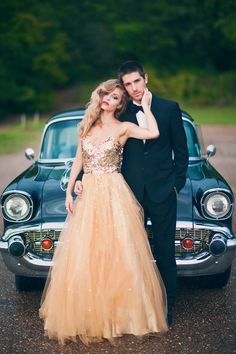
(93, 111)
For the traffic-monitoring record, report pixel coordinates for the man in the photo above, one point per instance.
(153, 173)
(154, 176)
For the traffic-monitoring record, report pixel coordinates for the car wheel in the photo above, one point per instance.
(28, 283)
(217, 280)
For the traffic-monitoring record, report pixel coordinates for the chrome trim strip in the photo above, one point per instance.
(3, 246)
(194, 125)
(39, 228)
(81, 116)
(58, 226)
(215, 228)
(55, 161)
(216, 189)
(11, 232)
(32, 259)
(184, 224)
(199, 226)
(15, 191)
(194, 261)
(231, 243)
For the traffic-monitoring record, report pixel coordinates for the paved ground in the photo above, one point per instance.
(205, 319)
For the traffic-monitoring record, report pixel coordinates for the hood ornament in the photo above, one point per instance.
(66, 175)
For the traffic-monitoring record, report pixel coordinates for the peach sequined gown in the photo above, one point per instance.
(104, 282)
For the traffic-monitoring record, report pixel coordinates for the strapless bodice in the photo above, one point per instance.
(103, 158)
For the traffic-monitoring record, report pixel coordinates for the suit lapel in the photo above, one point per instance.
(130, 116)
(154, 109)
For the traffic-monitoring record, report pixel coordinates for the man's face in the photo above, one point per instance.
(135, 85)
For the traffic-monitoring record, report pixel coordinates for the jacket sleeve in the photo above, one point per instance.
(80, 175)
(180, 148)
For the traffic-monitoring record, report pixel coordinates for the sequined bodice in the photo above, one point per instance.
(104, 158)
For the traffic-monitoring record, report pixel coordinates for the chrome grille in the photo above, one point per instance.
(33, 240)
(201, 239)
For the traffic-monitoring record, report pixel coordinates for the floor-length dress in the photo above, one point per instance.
(104, 282)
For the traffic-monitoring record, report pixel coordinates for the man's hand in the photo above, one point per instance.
(78, 189)
(176, 192)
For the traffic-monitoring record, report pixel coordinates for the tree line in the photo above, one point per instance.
(53, 44)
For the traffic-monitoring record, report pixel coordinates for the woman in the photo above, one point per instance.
(104, 281)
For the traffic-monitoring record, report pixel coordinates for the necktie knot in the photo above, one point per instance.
(135, 108)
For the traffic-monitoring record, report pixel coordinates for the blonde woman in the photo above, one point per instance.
(104, 282)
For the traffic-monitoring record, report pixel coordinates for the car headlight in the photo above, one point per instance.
(217, 205)
(17, 207)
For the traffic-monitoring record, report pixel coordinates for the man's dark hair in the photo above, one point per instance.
(130, 67)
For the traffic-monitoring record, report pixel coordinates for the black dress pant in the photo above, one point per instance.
(163, 218)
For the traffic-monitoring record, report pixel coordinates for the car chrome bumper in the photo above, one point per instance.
(208, 264)
(29, 265)
(203, 264)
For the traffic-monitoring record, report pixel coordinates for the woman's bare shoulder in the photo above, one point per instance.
(122, 127)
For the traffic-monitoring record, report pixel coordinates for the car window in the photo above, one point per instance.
(60, 140)
(194, 147)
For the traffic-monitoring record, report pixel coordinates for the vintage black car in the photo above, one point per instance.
(34, 211)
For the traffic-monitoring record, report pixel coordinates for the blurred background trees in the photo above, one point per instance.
(187, 47)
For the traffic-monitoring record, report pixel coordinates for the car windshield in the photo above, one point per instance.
(61, 140)
(194, 147)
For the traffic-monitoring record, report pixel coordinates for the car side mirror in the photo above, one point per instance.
(211, 150)
(29, 154)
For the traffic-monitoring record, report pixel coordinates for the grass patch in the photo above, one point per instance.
(14, 137)
(212, 115)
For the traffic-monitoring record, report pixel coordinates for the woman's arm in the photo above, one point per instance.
(75, 170)
(152, 131)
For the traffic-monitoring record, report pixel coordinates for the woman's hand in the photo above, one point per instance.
(146, 99)
(152, 131)
(78, 189)
(69, 203)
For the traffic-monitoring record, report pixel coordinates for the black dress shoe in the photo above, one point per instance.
(170, 318)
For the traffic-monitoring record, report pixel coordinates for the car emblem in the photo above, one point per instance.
(66, 175)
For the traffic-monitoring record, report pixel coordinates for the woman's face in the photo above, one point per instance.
(111, 101)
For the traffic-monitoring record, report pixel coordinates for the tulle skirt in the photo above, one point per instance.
(104, 282)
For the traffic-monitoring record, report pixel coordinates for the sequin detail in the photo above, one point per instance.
(104, 158)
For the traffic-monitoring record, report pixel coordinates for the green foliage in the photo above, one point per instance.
(14, 137)
(55, 44)
(212, 115)
(199, 88)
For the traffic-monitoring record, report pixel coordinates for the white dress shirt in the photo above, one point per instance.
(141, 118)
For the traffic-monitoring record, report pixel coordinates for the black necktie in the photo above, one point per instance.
(135, 108)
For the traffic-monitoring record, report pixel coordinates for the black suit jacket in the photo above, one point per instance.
(151, 166)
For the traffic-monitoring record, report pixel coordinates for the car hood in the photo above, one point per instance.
(204, 176)
(53, 206)
(42, 183)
